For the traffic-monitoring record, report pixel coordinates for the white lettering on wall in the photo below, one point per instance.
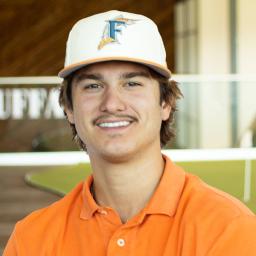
(52, 108)
(18, 103)
(29, 103)
(36, 99)
(5, 104)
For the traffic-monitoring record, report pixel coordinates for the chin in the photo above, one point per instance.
(117, 156)
(117, 153)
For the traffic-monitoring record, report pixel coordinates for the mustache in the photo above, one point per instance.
(109, 116)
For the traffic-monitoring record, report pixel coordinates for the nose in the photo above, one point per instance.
(112, 101)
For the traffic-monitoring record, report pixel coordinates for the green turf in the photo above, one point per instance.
(59, 180)
(225, 175)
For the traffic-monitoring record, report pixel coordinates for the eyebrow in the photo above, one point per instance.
(83, 76)
(99, 77)
(134, 74)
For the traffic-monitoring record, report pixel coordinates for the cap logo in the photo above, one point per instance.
(111, 29)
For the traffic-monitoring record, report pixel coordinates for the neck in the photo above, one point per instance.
(117, 185)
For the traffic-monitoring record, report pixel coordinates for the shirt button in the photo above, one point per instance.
(120, 242)
(103, 212)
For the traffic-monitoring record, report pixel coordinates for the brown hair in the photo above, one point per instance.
(169, 93)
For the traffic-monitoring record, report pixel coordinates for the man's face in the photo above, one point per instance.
(116, 109)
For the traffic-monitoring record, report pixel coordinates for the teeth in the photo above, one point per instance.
(114, 124)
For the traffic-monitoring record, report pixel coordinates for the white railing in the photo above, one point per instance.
(76, 157)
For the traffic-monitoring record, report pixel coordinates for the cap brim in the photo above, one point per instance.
(162, 70)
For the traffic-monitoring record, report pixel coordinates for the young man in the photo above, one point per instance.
(119, 101)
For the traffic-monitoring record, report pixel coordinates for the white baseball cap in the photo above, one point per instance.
(115, 35)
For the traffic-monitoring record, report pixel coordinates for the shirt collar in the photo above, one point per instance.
(167, 195)
(164, 201)
(89, 205)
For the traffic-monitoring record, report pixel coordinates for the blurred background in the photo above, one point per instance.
(211, 39)
(211, 51)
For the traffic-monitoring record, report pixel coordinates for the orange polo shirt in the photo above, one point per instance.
(185, 217)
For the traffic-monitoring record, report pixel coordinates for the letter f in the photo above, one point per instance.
(113, 28)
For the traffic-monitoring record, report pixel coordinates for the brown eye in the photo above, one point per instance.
(92, 86)
(133, 84)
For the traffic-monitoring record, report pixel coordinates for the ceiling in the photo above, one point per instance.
(34, 32)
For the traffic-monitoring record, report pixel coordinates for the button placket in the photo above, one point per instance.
(103, 212)
(120, 242)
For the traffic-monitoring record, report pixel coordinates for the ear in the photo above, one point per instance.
(70, 115)
(165, 110)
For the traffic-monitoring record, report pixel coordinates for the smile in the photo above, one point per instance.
(114, 124)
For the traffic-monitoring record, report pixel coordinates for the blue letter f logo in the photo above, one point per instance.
(113, 28)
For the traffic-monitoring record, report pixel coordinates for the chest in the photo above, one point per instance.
(158, 235)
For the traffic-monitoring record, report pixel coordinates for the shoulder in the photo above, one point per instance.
(236, 238)
(50, 218)
(215, 219)
(210, 209)
(217, 197)
(208, 198)
(40, 230)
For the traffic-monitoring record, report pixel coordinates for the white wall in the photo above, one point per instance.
(246, 56)
(214, 58)
(209, 52)
(214, 36)
(246, 36)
